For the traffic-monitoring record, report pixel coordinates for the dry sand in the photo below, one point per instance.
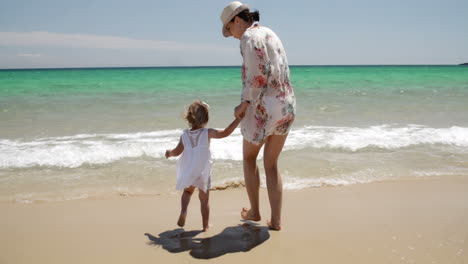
(420, 221)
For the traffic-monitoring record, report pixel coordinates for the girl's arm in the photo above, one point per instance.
(176, 151)
(214, 133)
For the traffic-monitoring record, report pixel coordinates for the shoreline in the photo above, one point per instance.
(229, 185)
(420, 221)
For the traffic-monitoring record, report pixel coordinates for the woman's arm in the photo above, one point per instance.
(255, 71)
(256, 67)
(214, 133)
(176, 151)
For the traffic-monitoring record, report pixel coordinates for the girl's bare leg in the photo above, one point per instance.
(185, 200)
(205, 208)
(252, 180)
(273, 146)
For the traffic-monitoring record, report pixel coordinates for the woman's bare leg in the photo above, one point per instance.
(205, 208)
(273, 147)
(252, 180)
(185, 200)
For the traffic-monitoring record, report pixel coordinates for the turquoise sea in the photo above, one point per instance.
(78, 133)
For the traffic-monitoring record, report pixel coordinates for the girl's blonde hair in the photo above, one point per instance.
(197, 114)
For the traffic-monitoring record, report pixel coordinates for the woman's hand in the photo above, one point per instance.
(239, 111)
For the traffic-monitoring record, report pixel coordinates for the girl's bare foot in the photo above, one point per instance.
(181, 221)
(249, 215)
(276, 227)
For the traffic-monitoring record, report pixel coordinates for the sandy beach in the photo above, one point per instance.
(372, 97)
(417, 221)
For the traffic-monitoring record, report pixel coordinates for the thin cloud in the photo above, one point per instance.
(29, 55)
(42, 38)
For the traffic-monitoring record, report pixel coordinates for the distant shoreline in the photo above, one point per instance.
(227, 66)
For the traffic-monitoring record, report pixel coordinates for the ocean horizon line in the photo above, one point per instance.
(223, 66)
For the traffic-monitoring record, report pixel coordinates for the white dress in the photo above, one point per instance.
(194, 165)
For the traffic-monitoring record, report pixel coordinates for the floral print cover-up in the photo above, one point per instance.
(266, 84)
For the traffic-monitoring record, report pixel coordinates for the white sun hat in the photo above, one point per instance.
(229, 12)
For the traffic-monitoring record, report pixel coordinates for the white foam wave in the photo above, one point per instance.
(75, 151)
(383, 136)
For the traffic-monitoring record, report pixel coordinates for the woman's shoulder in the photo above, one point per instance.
(254, 32)
(269, 33)
(248, 35)
(260, 33)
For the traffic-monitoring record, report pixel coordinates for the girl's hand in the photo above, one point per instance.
(168, 154)
(239, 111)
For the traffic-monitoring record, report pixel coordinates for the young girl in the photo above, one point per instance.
(194, 166)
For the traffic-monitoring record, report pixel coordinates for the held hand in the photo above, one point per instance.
(168, 154)
(239, 111)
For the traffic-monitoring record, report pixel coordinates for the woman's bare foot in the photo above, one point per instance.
(181, 221)
(249, 215)
(276, 227)
(207, 228)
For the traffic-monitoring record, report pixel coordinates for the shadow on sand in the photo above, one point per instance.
(241, 238)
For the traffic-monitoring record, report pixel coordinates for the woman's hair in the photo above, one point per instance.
(197, 114)
(248, 16)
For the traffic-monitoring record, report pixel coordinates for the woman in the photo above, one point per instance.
(267, 105)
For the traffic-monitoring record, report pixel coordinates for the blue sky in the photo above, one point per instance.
(105, 33)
